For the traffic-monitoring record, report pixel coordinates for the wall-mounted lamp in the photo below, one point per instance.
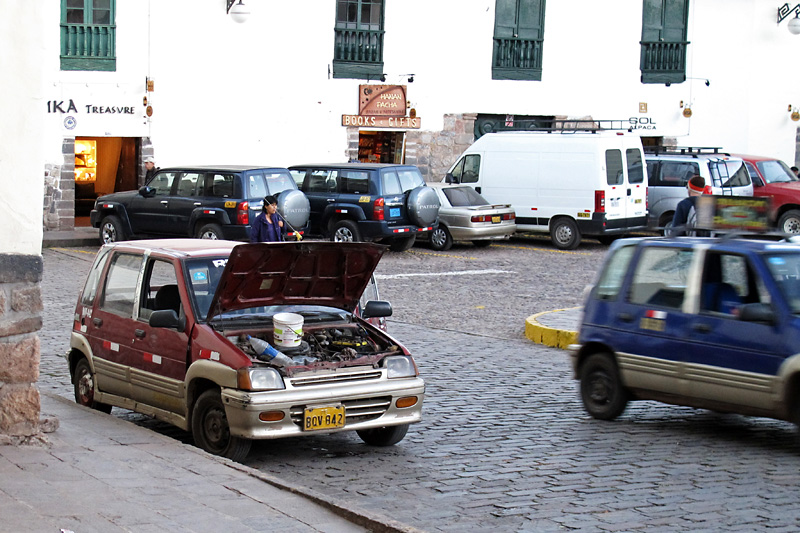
(794, 24)
(794, 114)
(708, 82)
(238, 11)
(409, 77)
(687, 109)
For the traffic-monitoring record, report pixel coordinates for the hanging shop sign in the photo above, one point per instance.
(411, 123)
(382, 100)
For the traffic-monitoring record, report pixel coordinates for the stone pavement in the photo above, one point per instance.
(80, 236)
(100, 473)
(557, 328)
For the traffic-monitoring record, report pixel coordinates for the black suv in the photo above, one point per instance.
(205, 202)
(368, 202)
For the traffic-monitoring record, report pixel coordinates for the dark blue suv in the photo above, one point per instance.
(712, 323)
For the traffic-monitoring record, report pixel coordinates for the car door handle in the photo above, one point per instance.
(139, 333)
(625, 317)
(198, 204)
(329, 200)
(97, 322)
(164, 202)
(701, 328)
(629, 192)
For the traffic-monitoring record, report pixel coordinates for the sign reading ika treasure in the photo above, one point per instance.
(382, 100)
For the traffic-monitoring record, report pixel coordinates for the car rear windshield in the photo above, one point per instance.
(728, 174)
(464, 197)
(775, 171)
(785, 270)
(400, 180)
(261, 184)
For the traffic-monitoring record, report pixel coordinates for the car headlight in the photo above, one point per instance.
(400, 366)
(256, 379)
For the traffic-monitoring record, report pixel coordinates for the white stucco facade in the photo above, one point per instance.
(261, 92)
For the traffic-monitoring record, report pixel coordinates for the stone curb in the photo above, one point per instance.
(540, 334)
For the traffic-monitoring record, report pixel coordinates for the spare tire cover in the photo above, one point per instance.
(294, 208)
(423, 206)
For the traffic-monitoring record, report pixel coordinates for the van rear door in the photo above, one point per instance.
(626, 187)
(637, 185)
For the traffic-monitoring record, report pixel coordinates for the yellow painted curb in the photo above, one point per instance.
(557, 338)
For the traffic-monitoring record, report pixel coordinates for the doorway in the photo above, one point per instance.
(381, 147)
(102, 165)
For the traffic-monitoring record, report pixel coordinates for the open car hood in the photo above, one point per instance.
(333, 274)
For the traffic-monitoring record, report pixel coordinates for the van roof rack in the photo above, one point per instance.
(684, 150)
(569, 125)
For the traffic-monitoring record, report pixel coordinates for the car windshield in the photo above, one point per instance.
(785, 270)
(463, 197)
(775, 171)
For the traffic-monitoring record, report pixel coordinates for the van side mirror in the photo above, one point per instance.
(375, 309)
(757, 312)
(449, 178)
(147, 192)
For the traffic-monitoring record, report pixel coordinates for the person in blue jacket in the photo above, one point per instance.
(268, 226)
(683, 222)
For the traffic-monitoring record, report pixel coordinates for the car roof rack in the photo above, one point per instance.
(569, 125)
(684, 150)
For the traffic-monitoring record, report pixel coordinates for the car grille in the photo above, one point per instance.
(325, 379)
(359, 410)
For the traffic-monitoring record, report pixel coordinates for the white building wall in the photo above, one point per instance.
(260, 92)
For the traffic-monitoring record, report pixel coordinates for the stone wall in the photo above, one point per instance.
(59, 190)
(434, 152)
(20, 320)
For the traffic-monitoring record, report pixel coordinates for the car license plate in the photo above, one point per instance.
(496, 220)
(323, 418)
(394, 212)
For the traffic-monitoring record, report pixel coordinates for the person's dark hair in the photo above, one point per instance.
(794, 169)
(697, 183)
(269, 200)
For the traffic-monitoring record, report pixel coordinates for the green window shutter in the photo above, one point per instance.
(358, 39)
(88, 35)
(663, 54)
(518, 38)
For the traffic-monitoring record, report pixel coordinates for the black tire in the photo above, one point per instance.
(385, 436)
(402, 244)
(790, 222)
(565, 234)
(83, 385)
(602, 392)
(345, 231)
(422, 206)
(111, 230)
(665, 222)
(210, 231)
(482, 244)
(441, 240)
(210, 428)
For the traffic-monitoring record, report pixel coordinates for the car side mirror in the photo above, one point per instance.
(757, 312)
(167, 318)
(147, 191)
(376, 309)
(449, 178)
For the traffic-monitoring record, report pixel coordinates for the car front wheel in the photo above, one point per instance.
(83, 383)
(603, 395)
(111, 230)
(441, 240)
(210, 231)
(385, 436)
(211, 431)
(790, 222)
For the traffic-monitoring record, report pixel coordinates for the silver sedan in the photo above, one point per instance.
(465, 215)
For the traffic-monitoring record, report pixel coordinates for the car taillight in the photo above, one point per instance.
(377, 209)
(599, 201)
(243, 213)
(647, 198)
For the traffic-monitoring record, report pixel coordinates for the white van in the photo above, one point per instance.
(566, 183)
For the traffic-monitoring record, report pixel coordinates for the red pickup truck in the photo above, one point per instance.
(773, 179)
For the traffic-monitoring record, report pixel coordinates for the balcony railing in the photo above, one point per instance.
(87, 44)
(364, 46)
(515, 58)
(663, 61)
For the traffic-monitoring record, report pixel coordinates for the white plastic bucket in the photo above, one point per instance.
(287, 329)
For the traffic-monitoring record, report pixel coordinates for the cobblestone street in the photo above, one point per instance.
(504, 443)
